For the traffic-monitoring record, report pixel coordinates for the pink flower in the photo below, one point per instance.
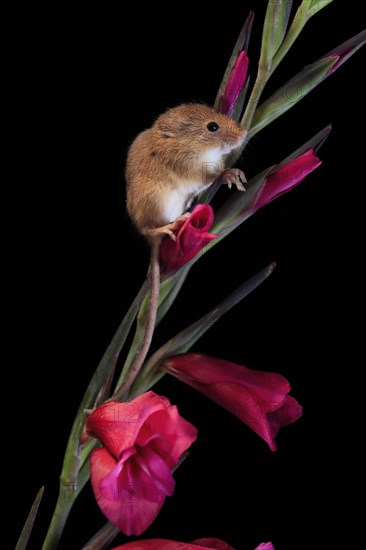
(191, 236)
(234, 85)
(286, 177)
(265, 546)
(160, 544)
(258, 398)
(131, 474)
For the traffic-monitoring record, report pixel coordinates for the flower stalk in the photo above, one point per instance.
(140, 372)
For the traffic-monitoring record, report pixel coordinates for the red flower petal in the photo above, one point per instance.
(286, 177)
(128, 497)
(117, 425)
(235, 84)
(191, 235)
(154, 466)
(213, 543)
(177, 434)
(258, 398)
(131, 476)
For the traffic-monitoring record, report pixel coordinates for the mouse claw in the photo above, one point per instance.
(234, 176)
(167, 231)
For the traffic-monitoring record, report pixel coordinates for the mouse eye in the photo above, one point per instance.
(212, 126)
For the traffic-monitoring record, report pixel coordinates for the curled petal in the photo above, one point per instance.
(117, 425)
(259, 399)
(132, 474)
(129, 499)
(191, 236)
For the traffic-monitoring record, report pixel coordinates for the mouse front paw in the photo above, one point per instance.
(234, 176)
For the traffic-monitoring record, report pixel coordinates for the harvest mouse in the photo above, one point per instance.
(175, 160)
(168, 166)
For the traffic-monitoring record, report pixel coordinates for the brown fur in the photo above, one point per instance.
(171, 153)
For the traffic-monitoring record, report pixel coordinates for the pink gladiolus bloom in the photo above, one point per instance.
(265, 546)
(234, 85)
(131, 474)
(160, 544)
(258, 398)
(285, 178)
(191, 235)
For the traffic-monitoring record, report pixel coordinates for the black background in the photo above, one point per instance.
(83, 83)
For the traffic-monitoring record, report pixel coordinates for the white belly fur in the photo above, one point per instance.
(177, 200)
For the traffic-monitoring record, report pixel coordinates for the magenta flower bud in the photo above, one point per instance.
(235, 84)
(285, 178)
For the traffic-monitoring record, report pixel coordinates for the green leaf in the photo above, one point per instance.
(237, 205)
(314, 6)
(345, 50)
(298, 87)
(183, 341)
(28, 526)
(313, 143)
(241, 44)
(169, 291)
(291, 93)
(239, 104)
(97, 384)
(102, 538)
(238, 208)
(274, 29)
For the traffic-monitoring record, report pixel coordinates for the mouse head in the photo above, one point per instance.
(200, 127)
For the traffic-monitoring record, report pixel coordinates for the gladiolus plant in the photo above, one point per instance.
(128, 444)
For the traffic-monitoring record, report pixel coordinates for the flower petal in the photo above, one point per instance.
(213, 543)
(132, 475)
(129, 499)
(117, 424)
(173, 434)
(258, 398)
(157, 469)
(191, 235)
(235, 84)
(285, 178)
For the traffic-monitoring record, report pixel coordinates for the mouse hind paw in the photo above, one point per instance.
(168, 229)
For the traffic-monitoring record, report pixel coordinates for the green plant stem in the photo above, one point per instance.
(69, 490)
(261, 80)
(75, 471)
(64, 504)
(150, 319)
(298, 24)
(265, 71)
